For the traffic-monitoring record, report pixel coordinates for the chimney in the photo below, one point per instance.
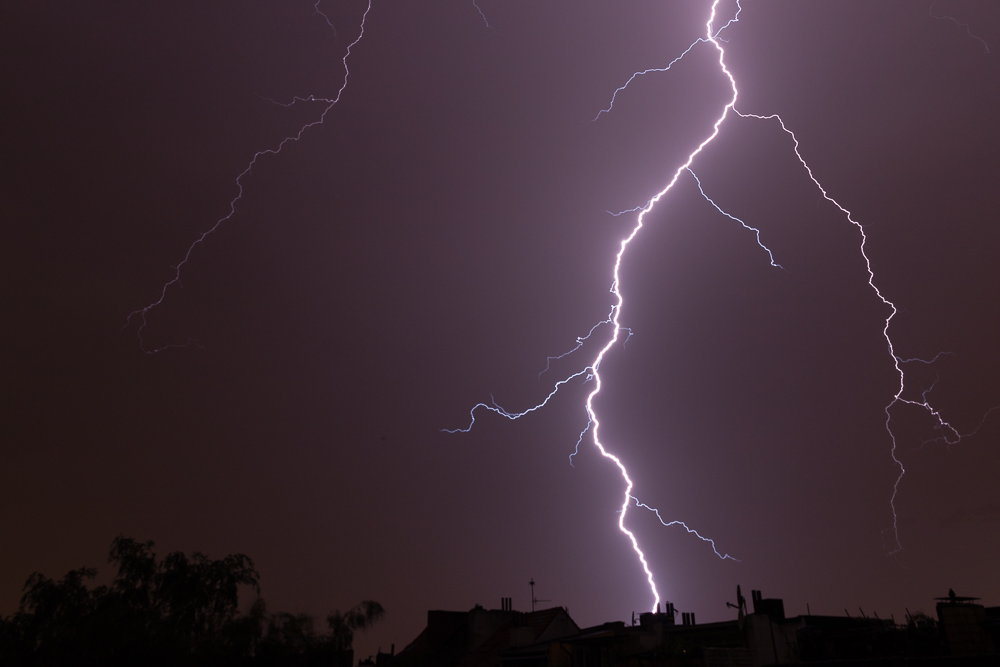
(773, 607)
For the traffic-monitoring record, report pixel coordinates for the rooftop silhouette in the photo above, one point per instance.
(964, 633)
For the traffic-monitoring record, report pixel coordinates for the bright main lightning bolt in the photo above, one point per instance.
(592, 371)
(948, 433)
(329, 102)
(595, 423)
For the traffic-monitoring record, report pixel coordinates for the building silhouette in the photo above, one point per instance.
(964, 634)
(477, 637)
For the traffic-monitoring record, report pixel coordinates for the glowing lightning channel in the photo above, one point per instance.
(330, 103)
(327, 18)
(628, 210)
(683, 525)
(592, 370)
(968, 28)
(950, 434)
(580, 340)
(733, 217)
(710, 37)
(576, 450)
(480, 10)
(493, 407)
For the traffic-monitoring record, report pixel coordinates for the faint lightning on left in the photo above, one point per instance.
(140, 314)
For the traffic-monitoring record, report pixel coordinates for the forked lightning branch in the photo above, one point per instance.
(591, 372)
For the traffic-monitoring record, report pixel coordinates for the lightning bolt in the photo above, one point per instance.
(595, 424)
(691, 531)
(733, 217)
(591, 373)
(480, 10)
(329, 103)
(968, 28)
(949, 434)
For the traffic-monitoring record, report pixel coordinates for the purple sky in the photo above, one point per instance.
(444, 232)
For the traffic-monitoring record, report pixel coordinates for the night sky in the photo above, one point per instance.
(443, 232)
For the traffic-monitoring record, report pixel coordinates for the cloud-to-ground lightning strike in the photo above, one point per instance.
(595, 424)
(329, 103)
(591, 372)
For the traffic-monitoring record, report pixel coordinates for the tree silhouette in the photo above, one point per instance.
(178, 610)
(359, 618)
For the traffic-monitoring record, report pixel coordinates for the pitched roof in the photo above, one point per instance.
(446, 639)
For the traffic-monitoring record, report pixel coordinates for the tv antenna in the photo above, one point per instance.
(741, 604)
(533, 598)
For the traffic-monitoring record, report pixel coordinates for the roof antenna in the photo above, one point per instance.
(534, 600)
